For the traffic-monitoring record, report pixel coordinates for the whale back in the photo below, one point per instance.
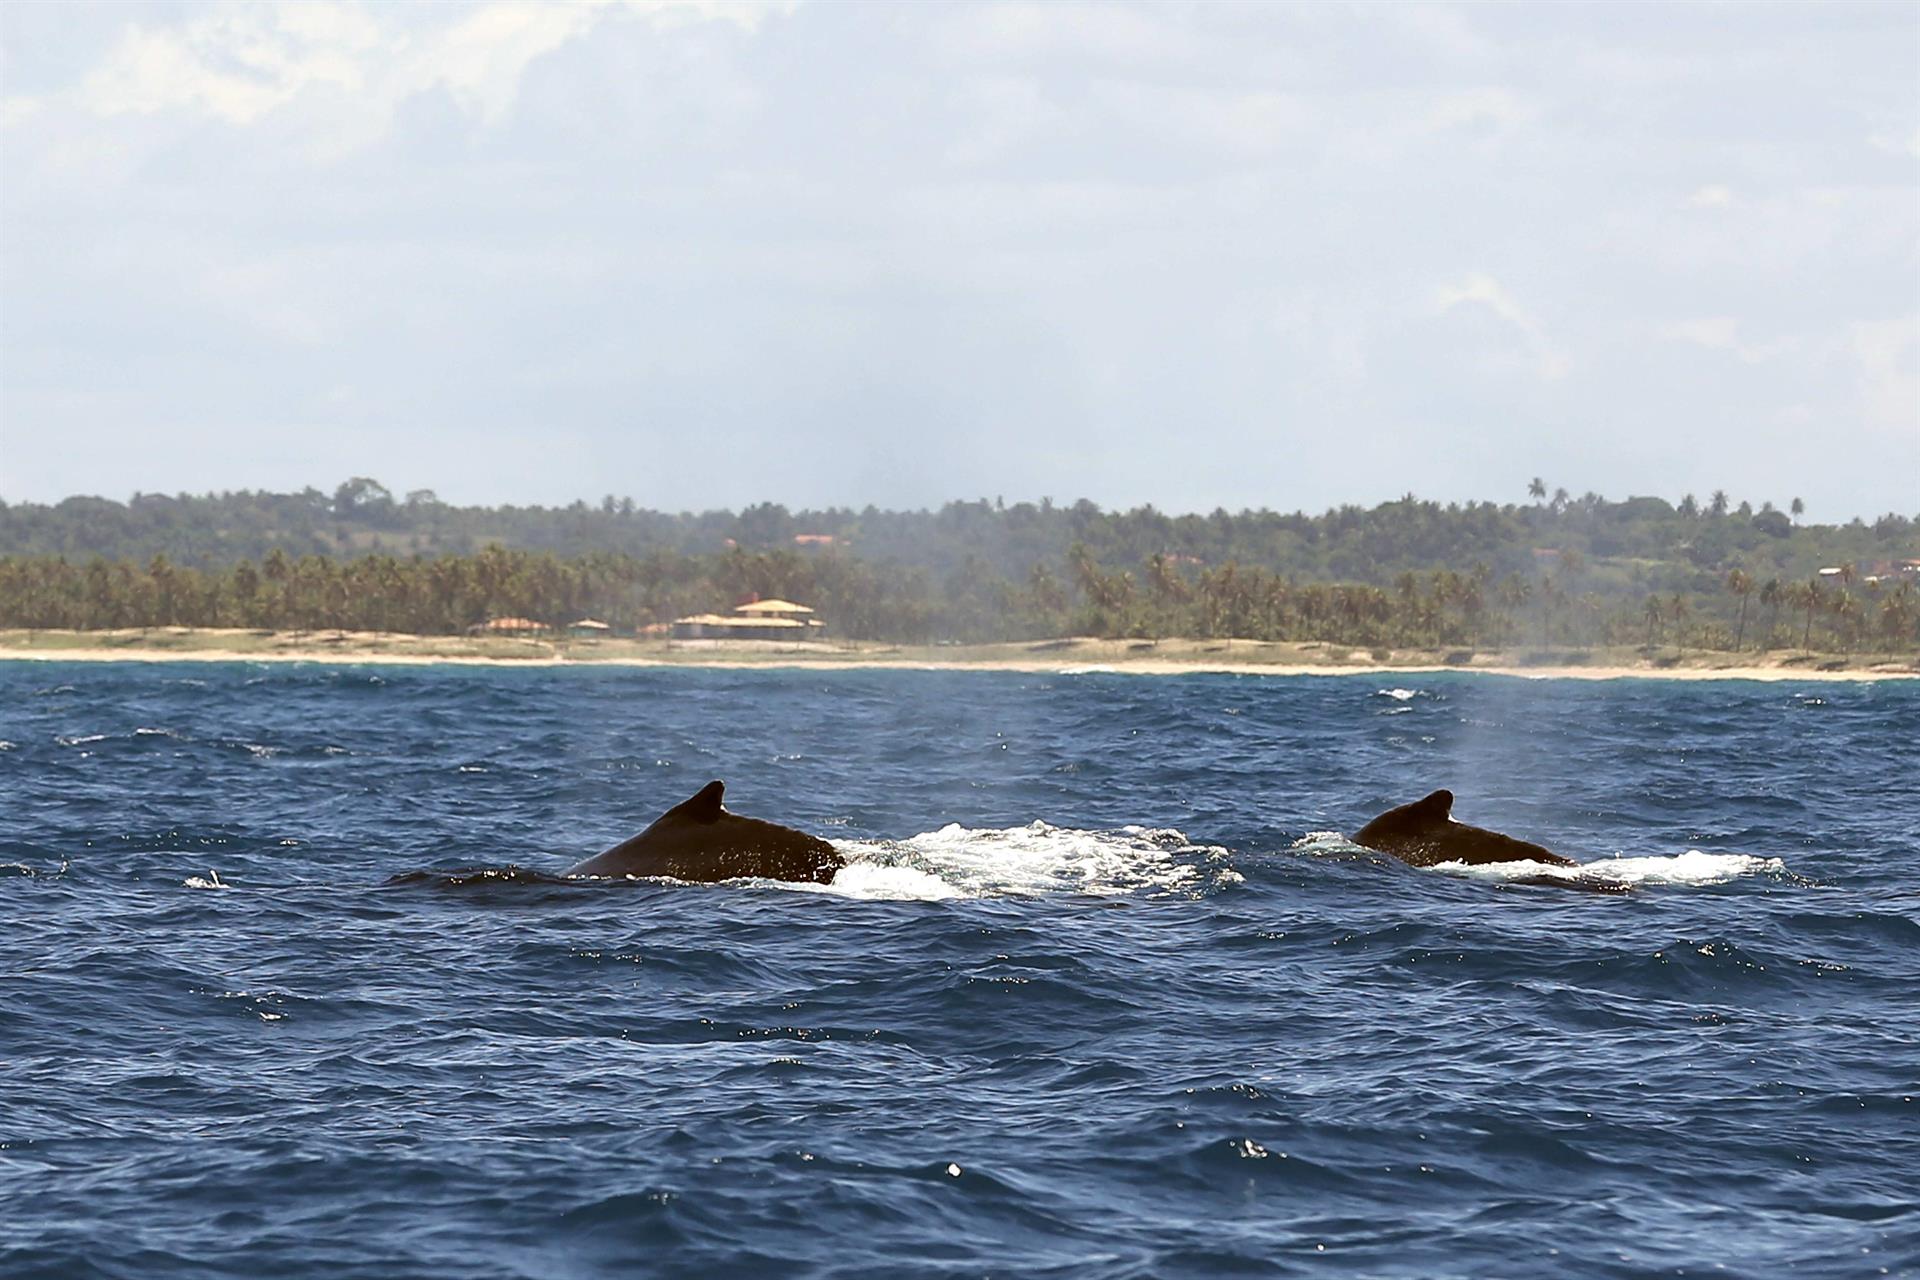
(698, 839)
(1424, 833)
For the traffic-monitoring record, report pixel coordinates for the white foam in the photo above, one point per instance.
(211, 880)
(873, 881)
(966, 862)
(1694, 867)
(1095, 669)
(1399, 695)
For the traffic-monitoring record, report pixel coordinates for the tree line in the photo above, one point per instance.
(1562, 600)
(1635, 547)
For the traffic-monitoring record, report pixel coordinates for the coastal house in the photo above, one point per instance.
(774, 609)
(755, 620)
(589, 629)
(507, 627)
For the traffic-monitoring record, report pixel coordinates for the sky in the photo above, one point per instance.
(706, 254)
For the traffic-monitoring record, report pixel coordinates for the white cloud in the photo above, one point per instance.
(1722, 333)
(19, 109)
(1899, 144)
(238, 64)
(1446, 30)
(1887, 355)
(1716, 333)
(867, 228)
(235, 66)
(1110, 34)
(480, 59)
(1487, 108)
(1479, 290)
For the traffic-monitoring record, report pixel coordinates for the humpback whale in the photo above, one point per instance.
(698, 839)
(1424, 832)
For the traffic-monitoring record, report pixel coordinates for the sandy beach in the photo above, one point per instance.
(1067, 656)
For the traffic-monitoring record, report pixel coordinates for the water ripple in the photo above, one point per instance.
(289, 984)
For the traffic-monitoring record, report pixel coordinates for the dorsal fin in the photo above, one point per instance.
(1437, 807)
(705, 805)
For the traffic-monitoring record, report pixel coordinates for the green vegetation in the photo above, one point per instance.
(1637, 546)
(1556, 597)
(1560, 572)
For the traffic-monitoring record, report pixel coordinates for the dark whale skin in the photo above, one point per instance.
(1424, 833)
(699, 840)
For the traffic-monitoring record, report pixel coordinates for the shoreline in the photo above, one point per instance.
(1059, 657)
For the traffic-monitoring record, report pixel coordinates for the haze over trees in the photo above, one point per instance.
(1669, 546)
(1557, 570)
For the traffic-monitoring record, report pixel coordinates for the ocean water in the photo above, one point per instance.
(1103, 992)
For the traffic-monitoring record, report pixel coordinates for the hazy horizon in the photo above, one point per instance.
(1758, 502)
(708, 254)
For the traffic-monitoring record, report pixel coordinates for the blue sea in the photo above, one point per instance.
(1104, 991)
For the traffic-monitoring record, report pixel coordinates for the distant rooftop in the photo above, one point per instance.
(772, 606)
(735, 621)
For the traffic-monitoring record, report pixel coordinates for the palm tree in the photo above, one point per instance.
(1045, 589)
(161, 573)
(246, 585)
(1167, 590)
(1773, 595)
(1085, 571)
(1846, 616)
(1798, 508)
(1896, 615)
(1741, 584)
(1809, 596)
(1513, 594)
(1537, 490)
(1844, 607)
